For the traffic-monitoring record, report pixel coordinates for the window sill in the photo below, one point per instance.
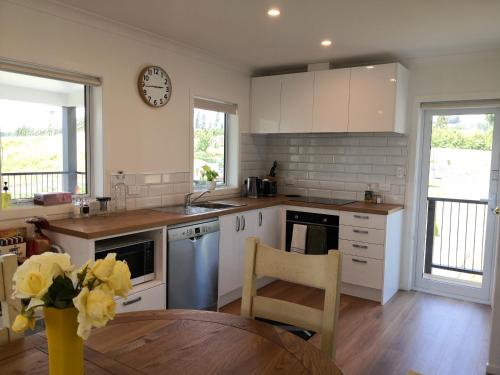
(220, 191)
(24, 210)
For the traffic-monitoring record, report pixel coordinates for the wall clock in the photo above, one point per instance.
(155, 86)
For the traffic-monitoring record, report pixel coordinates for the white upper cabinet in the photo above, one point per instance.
(331, 100)
(297, 102)
(360, 99)
(266, 105)
(377, 98)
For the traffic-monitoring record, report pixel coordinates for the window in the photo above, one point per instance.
(44, 135)
(211, 131)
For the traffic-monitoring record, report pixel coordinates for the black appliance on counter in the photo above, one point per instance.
(329, 222)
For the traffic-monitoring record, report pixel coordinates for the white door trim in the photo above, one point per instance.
(483, 294)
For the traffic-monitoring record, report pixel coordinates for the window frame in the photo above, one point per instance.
(219, 184)
(87, 92)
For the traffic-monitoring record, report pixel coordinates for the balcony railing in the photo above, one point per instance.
(24, 185)
(456, 232)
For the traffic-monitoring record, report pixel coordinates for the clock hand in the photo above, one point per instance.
(158, 87)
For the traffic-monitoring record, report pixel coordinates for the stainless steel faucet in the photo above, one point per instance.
(188, 201)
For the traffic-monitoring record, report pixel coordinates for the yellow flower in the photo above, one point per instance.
(31, 280)
(22, 323)
(119, 281)
(55, 263)
(95, 308)
(103, 268)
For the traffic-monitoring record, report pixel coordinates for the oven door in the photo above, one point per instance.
(330, 222)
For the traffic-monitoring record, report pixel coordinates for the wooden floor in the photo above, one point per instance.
(426, 333)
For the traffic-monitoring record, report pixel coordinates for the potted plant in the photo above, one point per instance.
(73, 301)
(210, 175)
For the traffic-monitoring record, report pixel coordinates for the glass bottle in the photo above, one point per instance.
(120, 193)
(6, 197)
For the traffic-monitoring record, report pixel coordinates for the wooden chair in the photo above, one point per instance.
(10, 307)
(318, 271)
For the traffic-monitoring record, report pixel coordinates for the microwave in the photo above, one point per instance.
(137, 252)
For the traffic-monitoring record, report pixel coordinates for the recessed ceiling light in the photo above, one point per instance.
(370, 67)
(393, 80)
(273, 12)
(326, 43)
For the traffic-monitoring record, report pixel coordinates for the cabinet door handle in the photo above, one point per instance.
(360, 231)
(237, 223)
(132, 301)
(242, 222)
(260, 219)
(359, 261)
(361, 216)
(359, 246)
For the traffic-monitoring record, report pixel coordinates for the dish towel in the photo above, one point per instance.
(316, 240)
(299, 238)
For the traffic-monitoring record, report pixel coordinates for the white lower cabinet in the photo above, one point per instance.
(234, 230)
(371, 246)
(147, 299)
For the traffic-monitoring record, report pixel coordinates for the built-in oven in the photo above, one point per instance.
(330, 223)
(139, 253)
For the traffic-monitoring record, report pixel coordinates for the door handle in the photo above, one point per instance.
(360, 231)
(361, 216)
(260, 219)
(132, 301)
(497, 210)
(237, 223)
(359, 261)
(242, 223)
(359, 246)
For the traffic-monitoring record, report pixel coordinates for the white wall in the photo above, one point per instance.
(137, 138)
(460, 77)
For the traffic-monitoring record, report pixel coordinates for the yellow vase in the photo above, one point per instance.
(65, 346)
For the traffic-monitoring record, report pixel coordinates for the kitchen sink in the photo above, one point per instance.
(217, 205)
(199, 208)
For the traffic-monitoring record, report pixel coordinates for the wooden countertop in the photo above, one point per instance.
(102, 226)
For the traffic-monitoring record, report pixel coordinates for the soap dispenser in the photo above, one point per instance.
(6, 197)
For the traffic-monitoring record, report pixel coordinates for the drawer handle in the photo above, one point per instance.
(360, 231)
(359, 261)
(361, 216)
(359, 246)
(132, 301)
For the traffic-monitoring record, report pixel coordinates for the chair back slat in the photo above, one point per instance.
(288, 312)
(318, 271)
(293, 267)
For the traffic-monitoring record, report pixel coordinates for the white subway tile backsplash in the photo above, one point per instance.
(338, 165)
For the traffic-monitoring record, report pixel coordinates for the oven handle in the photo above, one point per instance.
(306, 223)
(132, 301)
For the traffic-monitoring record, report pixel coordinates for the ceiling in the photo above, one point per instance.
(362, 30)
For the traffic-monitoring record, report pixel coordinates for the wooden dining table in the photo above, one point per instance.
(179, 342)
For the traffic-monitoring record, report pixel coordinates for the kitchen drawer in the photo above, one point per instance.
(360, 234)
(362, 271)
(362, 249)
(148, 299)
(357, 219)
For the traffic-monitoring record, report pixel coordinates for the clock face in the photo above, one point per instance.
(155, 86)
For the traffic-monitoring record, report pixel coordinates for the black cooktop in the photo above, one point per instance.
(333, 201)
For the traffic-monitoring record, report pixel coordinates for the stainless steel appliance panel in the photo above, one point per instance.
(193, 266)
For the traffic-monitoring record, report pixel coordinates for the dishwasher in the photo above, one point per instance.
(193, 265)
